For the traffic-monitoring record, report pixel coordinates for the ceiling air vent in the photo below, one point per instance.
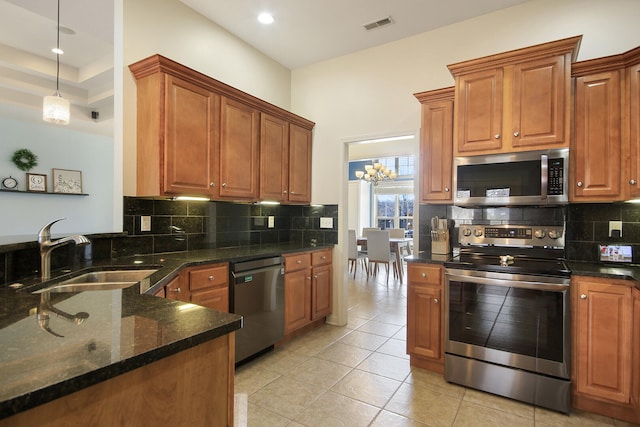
(379, 23)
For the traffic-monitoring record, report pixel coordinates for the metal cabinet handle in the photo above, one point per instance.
(423, 275)
(632, 182)
(224, 184)
(299, 261)
(315, 276)
(284, 192)
(516, 134)
(436, 301)
(324, 257)
(176, 290)
(293, 192)
(446, 189)
(211, 277)
(212, 184)
(496, 136)
(583, 296)
(579, 184)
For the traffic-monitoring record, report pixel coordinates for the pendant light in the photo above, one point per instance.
(56, 109)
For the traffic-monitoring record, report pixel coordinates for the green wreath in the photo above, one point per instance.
(24, 159)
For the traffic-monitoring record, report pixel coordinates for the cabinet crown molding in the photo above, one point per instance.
(444, 94)
(606, 63)
(158, 63)
(559, 47)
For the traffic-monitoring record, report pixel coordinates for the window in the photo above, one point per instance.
(393, 200)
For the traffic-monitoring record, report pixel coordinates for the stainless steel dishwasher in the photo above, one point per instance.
(257, 294)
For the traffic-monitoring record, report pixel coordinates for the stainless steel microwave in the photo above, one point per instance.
(524, 178)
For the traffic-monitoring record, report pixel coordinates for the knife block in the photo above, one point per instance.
(441, 246)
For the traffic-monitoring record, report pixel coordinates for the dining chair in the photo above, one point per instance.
(366, 230)
(379, 252)
(396, 233)
(356, 256)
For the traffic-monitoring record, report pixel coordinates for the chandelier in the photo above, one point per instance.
(376, 173)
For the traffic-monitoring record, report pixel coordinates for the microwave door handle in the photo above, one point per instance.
(544, 176)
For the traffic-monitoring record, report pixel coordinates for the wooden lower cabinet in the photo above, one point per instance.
(308, 291)
(206, 285)
(425, 316)
(606, 354)
(191, 388)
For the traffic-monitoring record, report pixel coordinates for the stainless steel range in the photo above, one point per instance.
(507, 318)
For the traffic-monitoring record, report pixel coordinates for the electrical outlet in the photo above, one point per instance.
(271, 221)
(326, 222)
(615, 228)
(145, 223)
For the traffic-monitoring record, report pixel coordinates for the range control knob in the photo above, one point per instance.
(466, 232)
(555, 234)
(477, 232)
(539, 233)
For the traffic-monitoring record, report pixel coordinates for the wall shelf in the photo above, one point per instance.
(42, 192)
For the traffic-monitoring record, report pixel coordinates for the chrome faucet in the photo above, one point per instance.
(47, 246)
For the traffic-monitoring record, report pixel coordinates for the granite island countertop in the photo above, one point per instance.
(126, 328)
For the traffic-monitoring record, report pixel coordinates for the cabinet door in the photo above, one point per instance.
(176, 291)
(216, 299)
(299, 164)
(478, 112)
(634, 135)
(239, 166)
(274, 158)
(436, 151)
(424, 321)
(297, 300)
(603, 339)
(597, 152)
(321, 296)
(191, 138)
(539, 108)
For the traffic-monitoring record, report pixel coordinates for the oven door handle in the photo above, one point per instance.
(524, 284)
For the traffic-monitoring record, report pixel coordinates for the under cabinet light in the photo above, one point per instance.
(192, 198)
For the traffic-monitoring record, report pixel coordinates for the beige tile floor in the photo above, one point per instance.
(359, 375)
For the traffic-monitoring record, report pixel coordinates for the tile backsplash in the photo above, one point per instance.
(587, 225)
(184, 225)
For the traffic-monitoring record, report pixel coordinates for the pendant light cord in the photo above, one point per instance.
(58, 54)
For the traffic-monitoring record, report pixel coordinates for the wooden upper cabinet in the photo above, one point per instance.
(514, 101)
(299, 164)
(633, 82)
(274, 158)
(239, 167)
(479, 112)
(199, 136)
(436, 145)
(597, 156)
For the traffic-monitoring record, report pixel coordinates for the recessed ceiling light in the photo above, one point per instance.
(265, 18)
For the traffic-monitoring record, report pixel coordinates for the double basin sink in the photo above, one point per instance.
(100, 281)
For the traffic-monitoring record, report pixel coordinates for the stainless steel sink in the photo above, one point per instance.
(100, 281)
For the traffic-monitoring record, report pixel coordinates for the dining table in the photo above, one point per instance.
(395, 244)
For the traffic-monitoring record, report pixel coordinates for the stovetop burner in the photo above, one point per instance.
(515, 249)
(515, 264)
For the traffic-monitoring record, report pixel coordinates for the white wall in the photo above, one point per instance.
(172, 29)
(61, 148)
(370, 92)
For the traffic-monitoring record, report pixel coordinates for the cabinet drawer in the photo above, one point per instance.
(297, 262)
(321, 257)
(425, 274)
(208, 277)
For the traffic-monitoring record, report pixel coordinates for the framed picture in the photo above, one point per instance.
(36, 182)
(67, 181)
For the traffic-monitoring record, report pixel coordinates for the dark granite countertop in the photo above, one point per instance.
(37, 367)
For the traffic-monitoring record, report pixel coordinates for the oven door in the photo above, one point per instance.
(520, 321)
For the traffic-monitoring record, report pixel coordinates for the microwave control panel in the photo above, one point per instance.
(556, 177)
